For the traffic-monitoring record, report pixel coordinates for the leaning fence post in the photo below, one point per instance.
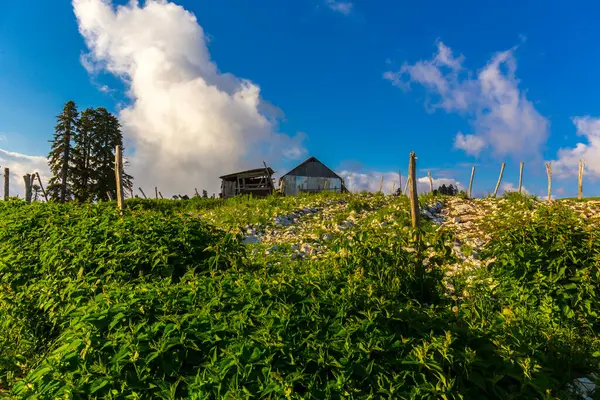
(381, 184)
(143, 194)
(499, 179)
(6, 183)
(27, 179)
(37, 174)
(119, 177)
(580, 180)
(160, 194)
(521, 176)
(471, 182)
(549, 171)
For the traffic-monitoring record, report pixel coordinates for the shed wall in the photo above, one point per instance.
(292, 185)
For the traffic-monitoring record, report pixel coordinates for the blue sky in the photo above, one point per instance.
(358, 79)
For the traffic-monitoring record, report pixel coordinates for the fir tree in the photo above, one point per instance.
(106, 137)
(82, 174)
(60, 153)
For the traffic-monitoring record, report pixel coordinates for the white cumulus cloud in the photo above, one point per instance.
(188, 122)
(567, 163)
(502, 117)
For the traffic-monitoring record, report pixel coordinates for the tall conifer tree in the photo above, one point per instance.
(83, 174)
(60, 153)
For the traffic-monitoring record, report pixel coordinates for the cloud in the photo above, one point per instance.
(567, 163)
(19, 165)
(370, 181)
(343, 7)
(188, 122)
(470, 144)
(502, 118)
(510, 187)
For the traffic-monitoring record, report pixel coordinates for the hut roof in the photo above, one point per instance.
(247, 174)
(304, 169)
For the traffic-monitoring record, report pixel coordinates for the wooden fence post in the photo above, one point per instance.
(393, 187)
(196, 190)
(521, 176)
(499, 179)
(109, 195)
(430, 181)
(143, 194)
(414, 198)
(155, 192)
(400, 180)
(406, 186)
(381, 184)
(549, 171)
(160, 194)
(119, 177)
(27, 179)
(37, 174)
(6, 183)
(471, 182)
(580, 180)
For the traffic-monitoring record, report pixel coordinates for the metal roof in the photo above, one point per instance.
(298, 168)
(248, 173)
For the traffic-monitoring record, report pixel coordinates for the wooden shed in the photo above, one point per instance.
(311, 176)
(258, 182)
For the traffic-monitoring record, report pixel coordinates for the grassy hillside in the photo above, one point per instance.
(308, 297)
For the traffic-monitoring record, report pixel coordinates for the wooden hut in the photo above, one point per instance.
(311, 176)
(258, 182)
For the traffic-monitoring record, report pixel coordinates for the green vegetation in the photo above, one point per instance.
(166, 302)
